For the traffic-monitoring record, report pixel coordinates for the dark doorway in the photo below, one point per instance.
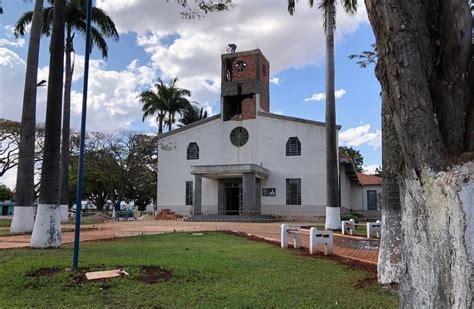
(371, 199)
(233, 197)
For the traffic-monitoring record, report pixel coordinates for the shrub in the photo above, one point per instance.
(348, 216)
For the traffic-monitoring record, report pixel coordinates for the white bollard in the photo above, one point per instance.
(374, 228)
(348, 226)
(320, 237)
(284, 236)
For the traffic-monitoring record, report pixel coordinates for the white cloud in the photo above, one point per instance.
(11, 40)
(370, 169)
(112, 100)
(275, 80)
(319, 96)
(279, 112)
(193, 54)
(361, 135)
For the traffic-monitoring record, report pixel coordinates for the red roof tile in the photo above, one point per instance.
(369, 180)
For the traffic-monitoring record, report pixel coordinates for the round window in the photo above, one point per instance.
(239, 136)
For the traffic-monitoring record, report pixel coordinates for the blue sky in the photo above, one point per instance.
(155, 42)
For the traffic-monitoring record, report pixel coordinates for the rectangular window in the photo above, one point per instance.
(189, 192)
(293, 191)
(371, 199)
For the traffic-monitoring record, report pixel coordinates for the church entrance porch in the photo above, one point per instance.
(239, 188)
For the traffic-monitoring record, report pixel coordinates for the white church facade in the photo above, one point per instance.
(246, 160)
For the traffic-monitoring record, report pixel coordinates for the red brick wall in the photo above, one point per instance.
(250, 71)
(249, 108)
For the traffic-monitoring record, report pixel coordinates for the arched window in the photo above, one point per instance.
(293, 147)
(193, 151)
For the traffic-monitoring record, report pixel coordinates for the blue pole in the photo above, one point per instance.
(80, 173)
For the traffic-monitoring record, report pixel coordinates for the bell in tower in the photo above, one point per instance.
(245, 85)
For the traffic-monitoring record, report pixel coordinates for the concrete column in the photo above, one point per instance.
(248, 193)
(258, 197)
(197, 196)
(220, 197)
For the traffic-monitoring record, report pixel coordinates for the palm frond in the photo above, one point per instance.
(22, 23)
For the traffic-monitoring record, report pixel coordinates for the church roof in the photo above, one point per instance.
(369, 180)
(264, 114)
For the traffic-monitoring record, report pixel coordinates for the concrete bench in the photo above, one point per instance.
(315, 237)
(374, 228)
(348, 227)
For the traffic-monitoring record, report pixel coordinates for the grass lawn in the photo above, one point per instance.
(213, 270)
(5, 222)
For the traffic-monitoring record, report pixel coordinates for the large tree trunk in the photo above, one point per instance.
(64, 166)
(425, 48)
(389, 262)
(47, 228)
(24, 212)
(333, 209)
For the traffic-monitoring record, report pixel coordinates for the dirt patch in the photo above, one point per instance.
(45, 272)
(366, 282)
(154, 274)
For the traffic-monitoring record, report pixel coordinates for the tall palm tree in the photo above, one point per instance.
(47, 228)
(23, 216)
(191, 114)
(75, 21)
(166, 101)
(333, 209)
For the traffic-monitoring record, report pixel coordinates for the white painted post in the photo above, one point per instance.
(369, 232)
(284, 236)
(312, 240)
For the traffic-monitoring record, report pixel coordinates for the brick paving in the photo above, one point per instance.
(352, 247)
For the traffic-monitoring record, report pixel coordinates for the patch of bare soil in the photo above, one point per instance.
(366, 282)
(154, 274)
(45, 272)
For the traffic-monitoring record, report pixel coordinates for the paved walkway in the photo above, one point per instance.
(356, 248)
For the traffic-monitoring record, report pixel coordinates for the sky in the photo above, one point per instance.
(155, 42)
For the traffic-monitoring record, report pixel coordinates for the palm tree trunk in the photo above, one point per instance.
(64, 174)
(160, 124)
(47, 228)
(333, 209)
(23, 217)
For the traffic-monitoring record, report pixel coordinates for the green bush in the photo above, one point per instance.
(348, 216)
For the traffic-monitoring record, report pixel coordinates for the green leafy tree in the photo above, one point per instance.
(165, 102)
(192, 113)
(355, 156)
(328, 7)
(5, 193)
(75, 22)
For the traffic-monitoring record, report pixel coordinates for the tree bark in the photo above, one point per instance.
(23, 218)
(64, 166)
(389, 262)
(333, 218)
(47, 228)
(423, 46)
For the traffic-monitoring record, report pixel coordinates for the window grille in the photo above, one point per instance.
(293, 191)
(189, 192)
(193, 151)
(293, 147)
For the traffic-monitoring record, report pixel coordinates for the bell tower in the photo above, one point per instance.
(244, 85)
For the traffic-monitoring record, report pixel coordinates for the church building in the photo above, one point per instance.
(247, 160)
